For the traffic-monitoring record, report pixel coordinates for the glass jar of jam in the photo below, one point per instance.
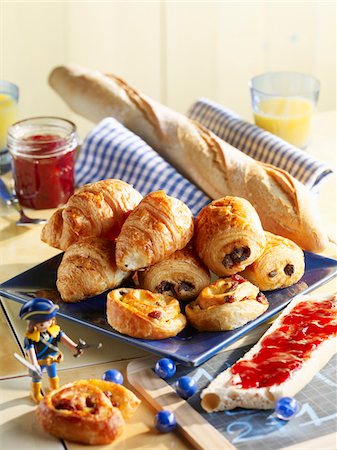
(43, 157)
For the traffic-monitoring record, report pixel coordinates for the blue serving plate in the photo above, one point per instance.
(189, 347)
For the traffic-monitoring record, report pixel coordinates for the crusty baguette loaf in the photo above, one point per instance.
(284, 205)
(224, 394)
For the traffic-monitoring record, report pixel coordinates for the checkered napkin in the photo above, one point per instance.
(259, 144)
(112, 151)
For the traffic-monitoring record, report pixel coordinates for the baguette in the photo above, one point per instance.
(263, 375)
(284, 205)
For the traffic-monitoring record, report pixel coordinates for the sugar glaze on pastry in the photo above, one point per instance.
(229, 235)
(280, 265)
(182, 275)
(142, 314)
(155, 229)
(226, 304)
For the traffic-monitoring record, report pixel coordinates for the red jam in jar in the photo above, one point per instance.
(285, 349)
(43, 154)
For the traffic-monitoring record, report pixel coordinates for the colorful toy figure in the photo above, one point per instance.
(41, 342)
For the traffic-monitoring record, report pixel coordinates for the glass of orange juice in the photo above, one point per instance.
(9, 95)
(283, 103)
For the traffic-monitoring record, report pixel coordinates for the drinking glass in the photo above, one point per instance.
(283, 103)
(9, 96)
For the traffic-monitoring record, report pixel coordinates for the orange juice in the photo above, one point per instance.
(8, 115)
(287, 117)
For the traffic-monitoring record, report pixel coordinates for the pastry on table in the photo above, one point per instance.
(96, 209)
(296, 347)
(280, 265)
(143, 314)
(229, 235)
(88, 268)
(226, 304)
(155, 229)
(182, 275)
(80, 412)
(121, 397)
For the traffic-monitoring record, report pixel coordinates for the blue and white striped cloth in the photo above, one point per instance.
(259, 144)
(112, 151)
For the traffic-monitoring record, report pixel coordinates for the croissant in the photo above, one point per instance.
(142, 314)
(181, 275)
(80, 412)
(229, 235)
(88, 268)
(226, 304)
(280, 265)
(56, 234)
(154, 230)
(96, 209)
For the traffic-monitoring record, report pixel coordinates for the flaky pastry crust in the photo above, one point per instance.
(80, 412)
(142, 314)
(229, 235)
(88, 268)
(155, 229)
(182, 275)
(226, 304)
(95, 210)
(280, 265)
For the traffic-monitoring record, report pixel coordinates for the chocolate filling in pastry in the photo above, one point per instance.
(289, 269)
(173, 289)
(238, 255)
(272, 274)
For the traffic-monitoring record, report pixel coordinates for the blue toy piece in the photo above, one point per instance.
(41, 343)
(113, 375)
(165, 368)
(38, 310)
(186, 387)
(286, 408)
(165, 421)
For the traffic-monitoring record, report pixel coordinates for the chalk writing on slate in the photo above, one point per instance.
(316, 417)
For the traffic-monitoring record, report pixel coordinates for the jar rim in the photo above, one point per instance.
(22, 145)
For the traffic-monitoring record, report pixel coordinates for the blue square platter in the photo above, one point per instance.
(189, 347)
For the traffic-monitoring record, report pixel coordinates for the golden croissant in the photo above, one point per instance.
(229, 235)
(88, 268)
(154, 230)
(96, 209)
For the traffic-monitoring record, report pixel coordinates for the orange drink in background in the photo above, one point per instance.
(283, 104)
(9, 94)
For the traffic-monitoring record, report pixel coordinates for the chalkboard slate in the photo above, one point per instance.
(244, 428)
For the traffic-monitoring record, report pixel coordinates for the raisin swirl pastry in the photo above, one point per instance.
(226, 304)
(155, 229)
(280, 265)
(142, 314)
(181, 275)
(80, 412)
(229, 235)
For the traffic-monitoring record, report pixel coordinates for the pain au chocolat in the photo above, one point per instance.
(229, 235)
(182, 275)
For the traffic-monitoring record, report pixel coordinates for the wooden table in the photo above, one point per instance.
(21, 249)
